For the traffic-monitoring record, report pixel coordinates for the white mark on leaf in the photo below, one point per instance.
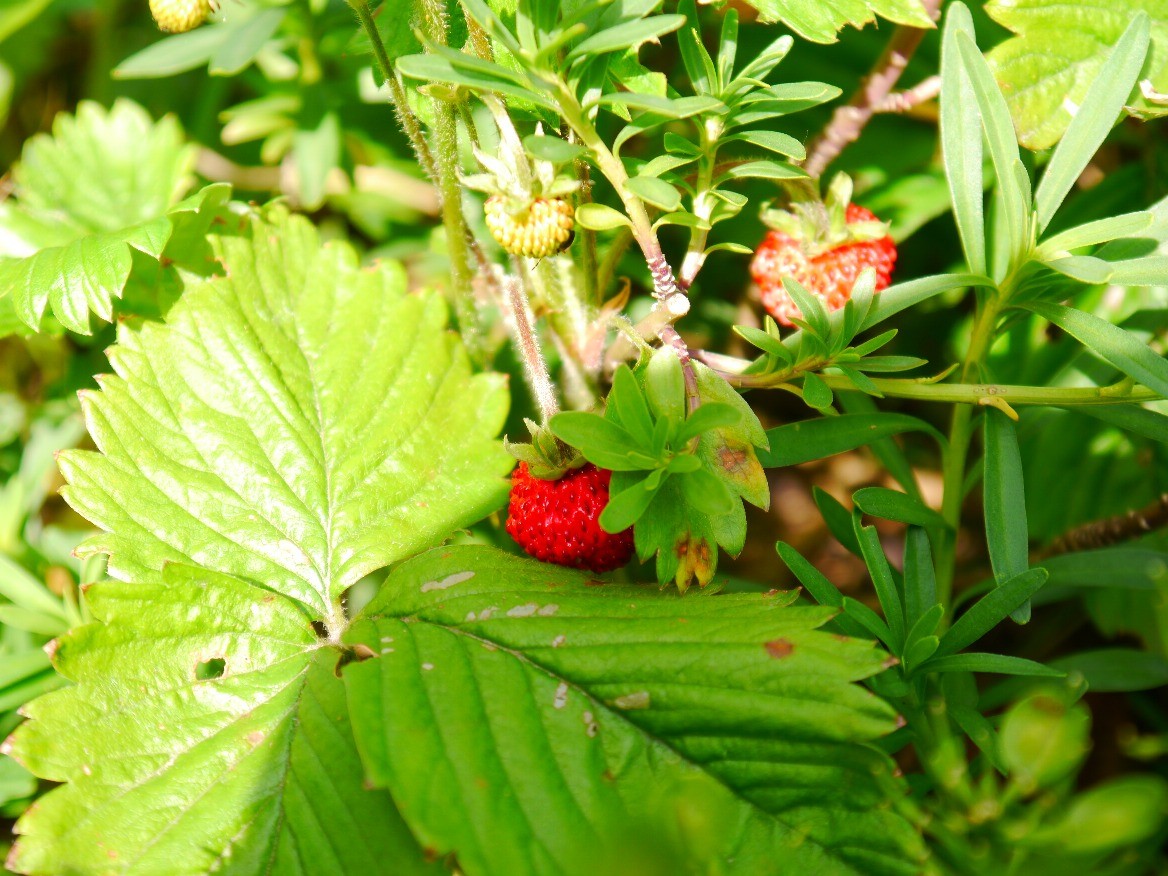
(385, 640)
(636, 700)
(561, 698)
(558, 641)
(525, 610)
(427, 666)
(590, 725)
(448, 581)
(548, 610)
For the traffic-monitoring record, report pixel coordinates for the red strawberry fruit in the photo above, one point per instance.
(823, 247)
(557, 520)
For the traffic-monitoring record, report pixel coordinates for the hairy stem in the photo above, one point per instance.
(397, 95)
(848, 121)
(450, 187)
(522, 324)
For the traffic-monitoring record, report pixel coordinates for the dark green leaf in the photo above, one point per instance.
(882, 581)
(1117, 669)
(816, 393)
(1005, 504)
(991, 610)
(839, 519)
(859, 613)
(999, 664)
(894, 505)
(920, 579)
(826, 436)
(545, 715)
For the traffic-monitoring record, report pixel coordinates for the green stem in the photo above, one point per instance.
(445, 150)
(954, 456)
(695, 255)
(405, 116)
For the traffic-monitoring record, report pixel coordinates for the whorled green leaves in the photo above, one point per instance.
(532, 720)
(301, 423)
(104, 186)
(292, 427)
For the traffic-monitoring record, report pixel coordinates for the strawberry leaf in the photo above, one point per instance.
(320, 421)
(292, 427)
(206, 730)
(820, 22)
(523, 729)
(104, 186)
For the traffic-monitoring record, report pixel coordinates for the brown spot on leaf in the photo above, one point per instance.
(732, 459)
(779, 648)
(254, 738)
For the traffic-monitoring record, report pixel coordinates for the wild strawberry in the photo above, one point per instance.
(557, 520)
(179, 16)
(527, 212)
(823, 247)
(541, 228)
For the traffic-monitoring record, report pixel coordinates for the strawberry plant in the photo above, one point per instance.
(609, 436)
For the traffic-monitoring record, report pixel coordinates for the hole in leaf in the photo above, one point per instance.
(320, 629)
(210, 669)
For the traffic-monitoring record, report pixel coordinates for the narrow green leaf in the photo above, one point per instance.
(918, 651)
(893, 505)
(19, 587)
(1121, 349)
(821, 589)
(1005, 503)
(961, 140)
(920, 579)
(999, 664)
(990, 610)
(1003, 147)
(237, 53)
(925, 625)
(631, 410)
(1094, 119)
(839, 519)
(1099, 231)
(706, 492)
(886, 590)
(772, 141)
(860, 614)
(626, 35)
(174, 54)
(762, 169)
(1117, 669)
